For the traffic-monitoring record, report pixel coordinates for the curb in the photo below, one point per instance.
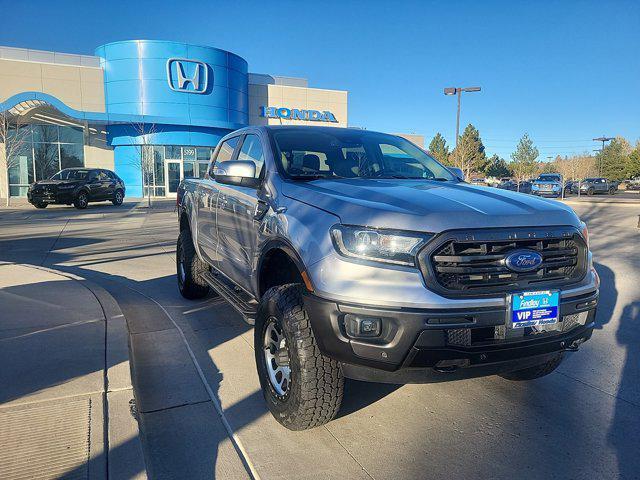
(119, 395)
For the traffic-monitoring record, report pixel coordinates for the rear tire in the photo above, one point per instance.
(190, 268)
(41, 205)
(612, 191)
(118, 197)
(82, 201)
(537, 371)
(313, 393)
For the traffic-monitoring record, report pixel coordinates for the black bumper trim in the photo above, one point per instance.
(417, 338)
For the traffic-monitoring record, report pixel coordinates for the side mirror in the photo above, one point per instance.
(236, 172)
(457, 172)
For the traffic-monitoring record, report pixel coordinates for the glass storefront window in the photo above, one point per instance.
(204, 153)
(71, 135)
(173, 152)
(46, 150)
(188, 153)
(45, 133)
(184, 162)
(202, 169)
(21, 167)
(71, 155)
(47, 161)
(189, 169)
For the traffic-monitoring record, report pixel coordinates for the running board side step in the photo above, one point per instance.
(245, 304)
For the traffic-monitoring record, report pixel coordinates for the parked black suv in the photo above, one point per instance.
(77, 186)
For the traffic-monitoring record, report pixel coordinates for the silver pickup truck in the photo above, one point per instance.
(358, 255)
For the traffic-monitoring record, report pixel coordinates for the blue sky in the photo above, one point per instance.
(565, 71)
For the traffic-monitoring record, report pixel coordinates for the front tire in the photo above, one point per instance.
(591, 191)
(118, 197)
(303, 388)
(190, 268)
(612, 191)
(41, 205)
(82, 201)
(536, 371)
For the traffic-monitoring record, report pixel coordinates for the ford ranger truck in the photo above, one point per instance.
(357, 255)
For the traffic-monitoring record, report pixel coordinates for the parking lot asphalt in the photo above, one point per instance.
(201, 409)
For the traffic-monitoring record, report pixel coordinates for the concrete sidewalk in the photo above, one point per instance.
(66, 401)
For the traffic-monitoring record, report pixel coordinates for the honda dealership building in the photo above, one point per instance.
(169, 99)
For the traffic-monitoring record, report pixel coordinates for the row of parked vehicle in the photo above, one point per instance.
(552, 185)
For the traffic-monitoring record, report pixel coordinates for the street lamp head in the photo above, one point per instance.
(450, 91)
(471, 89)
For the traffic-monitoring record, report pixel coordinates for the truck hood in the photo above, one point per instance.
(427, 206)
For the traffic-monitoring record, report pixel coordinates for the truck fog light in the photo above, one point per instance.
(358, 327)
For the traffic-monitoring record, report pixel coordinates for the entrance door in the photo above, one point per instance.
(172, 177)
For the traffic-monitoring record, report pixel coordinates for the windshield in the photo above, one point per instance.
(353, 154)
(549, 178)
(71, 175)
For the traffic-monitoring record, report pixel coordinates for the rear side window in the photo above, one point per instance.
(252, 151)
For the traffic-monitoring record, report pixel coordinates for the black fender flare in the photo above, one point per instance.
(280, 243)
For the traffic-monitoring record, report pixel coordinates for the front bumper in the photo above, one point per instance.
(415, 345)
(57, 197)
(546, 193)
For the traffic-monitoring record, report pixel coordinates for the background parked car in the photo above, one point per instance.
(547, 185)
(633, 184)
(525, 186)
(592, 186)
(77, 186)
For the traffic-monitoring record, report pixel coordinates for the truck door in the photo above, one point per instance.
(237, 223)
(208, 195)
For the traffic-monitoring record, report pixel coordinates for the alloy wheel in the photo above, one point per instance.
(276, 355)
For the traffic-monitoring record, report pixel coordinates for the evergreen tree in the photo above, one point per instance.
(523, 160)
(439, 149)
(613, 161)
(469, 155)
(497, 167)
(633, 166)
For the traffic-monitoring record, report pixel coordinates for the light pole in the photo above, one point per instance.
(458, 91)
(602, 139)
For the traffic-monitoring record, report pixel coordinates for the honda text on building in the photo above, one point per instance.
(358, 255)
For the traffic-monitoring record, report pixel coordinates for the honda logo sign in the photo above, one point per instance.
(189, 76)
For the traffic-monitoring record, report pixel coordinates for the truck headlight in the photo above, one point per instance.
(585, 233)
(388, 246)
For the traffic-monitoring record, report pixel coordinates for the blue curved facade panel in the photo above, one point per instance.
(193, 95)
(193, 85)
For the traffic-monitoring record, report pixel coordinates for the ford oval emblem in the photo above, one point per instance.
(523, 261)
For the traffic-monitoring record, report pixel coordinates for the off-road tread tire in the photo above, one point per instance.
(194, 286)
(317, 383)
(537, 371)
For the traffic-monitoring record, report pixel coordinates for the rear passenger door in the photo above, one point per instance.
(112, 182)
(237, 219)
(207, 195)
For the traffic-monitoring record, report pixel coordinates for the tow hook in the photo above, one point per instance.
(573, 346)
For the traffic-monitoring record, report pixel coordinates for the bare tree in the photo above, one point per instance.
(14, 137)
(144, 156)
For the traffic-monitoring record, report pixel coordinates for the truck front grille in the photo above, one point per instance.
(473, 263)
